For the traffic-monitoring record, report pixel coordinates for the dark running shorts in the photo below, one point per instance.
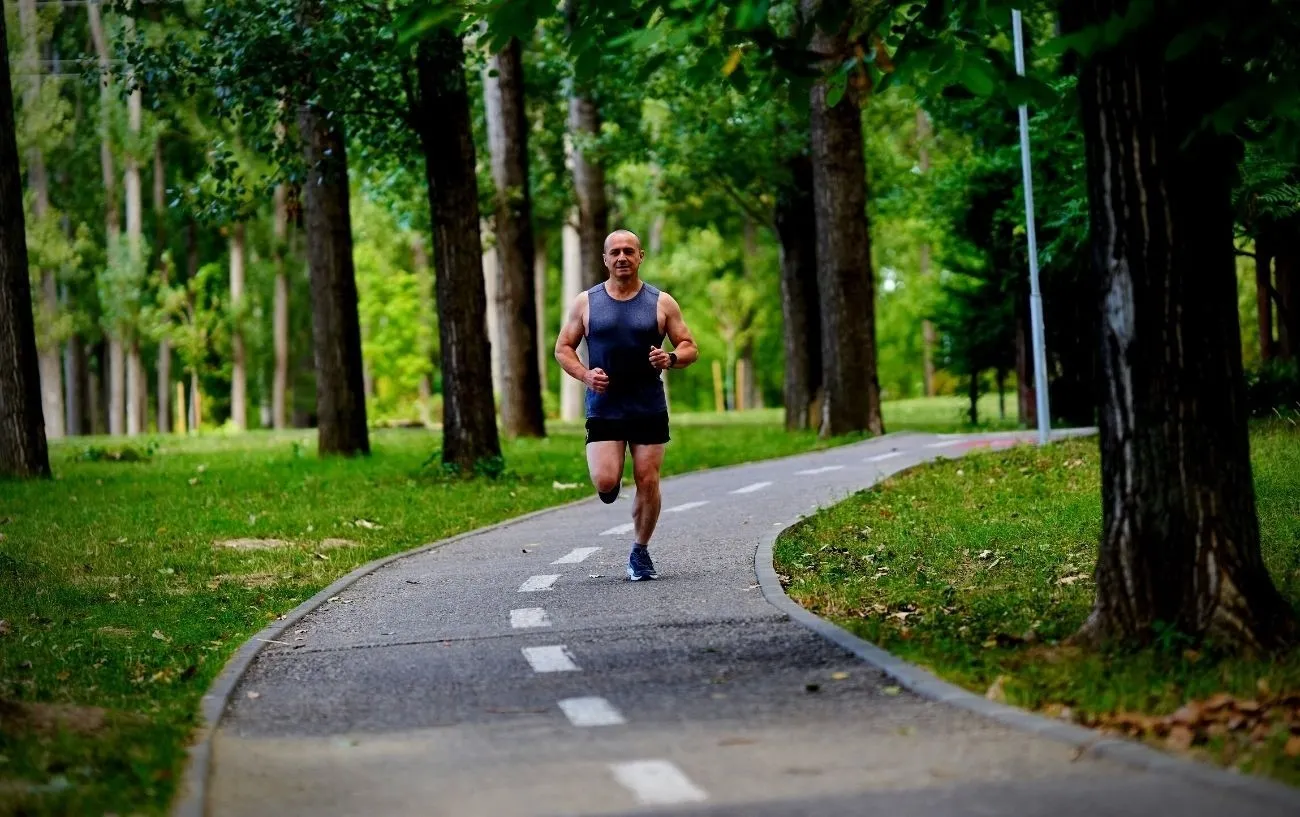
(648, 430)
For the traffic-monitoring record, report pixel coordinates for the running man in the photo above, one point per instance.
(624, 321)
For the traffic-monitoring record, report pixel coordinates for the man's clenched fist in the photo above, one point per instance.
(596, 380)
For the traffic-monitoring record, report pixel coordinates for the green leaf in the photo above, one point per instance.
(978, 77)
(751, 13)
(835, 88)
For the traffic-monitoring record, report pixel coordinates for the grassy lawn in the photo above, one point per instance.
(939, 414)
(978, 568)
(118, 609)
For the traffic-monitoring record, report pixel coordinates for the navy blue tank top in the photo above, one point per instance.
(619, 337)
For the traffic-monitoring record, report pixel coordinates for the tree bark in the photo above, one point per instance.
(1180, 542)
(23, 451)
(573, 282)
(973, 394)
(923, 258)
(164, 374)
(1026, 401)
(97, 389)
(844, 277)
(336, 327)
(516, 306)
(115, 377)
(1002, 393)
(796, 229)
(238, 369)
(1264, 297)
(75, 381)
(544, 338)
(469, 431)
(50, 366)
(588, 175)
(1286, 271)
(280, 316)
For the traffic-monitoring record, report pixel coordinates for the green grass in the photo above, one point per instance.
(978, 568)
(939, 414)
(115, 596)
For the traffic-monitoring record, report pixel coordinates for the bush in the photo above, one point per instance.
(1273, 387)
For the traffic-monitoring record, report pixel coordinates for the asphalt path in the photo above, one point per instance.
(518, 672)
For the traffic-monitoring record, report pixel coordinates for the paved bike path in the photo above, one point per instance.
(517, 672)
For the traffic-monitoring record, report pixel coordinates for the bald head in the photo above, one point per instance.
(622, 235)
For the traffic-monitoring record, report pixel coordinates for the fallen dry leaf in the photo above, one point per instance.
(839, 676)
(254, 695)
(891, 690)
(997, 690)
(1069, 580)
(158, 634)
(564, 486)
(5, 627)
(1180, 738)
(368, 525)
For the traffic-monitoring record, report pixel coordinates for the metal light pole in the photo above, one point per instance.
(1035, 296)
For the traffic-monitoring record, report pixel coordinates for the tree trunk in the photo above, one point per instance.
(844, 278)
(516, 305)
(238, 369)
(75, 382)
(97, 388)
(164, 374)
(1002, 393)
(336, 327)
(1026, 401)
(571, 391)
(796, 229)
(280, 317)
(923, 258)
(50, 366)
(1180, 541)
(588, 175)
(545, 340)
(1264, 297)
(1287, 269)
(116, 387)
(469, 431)
(973, 393)
(491, 272)
(23, 451)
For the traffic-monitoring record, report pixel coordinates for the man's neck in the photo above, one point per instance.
(622, 290)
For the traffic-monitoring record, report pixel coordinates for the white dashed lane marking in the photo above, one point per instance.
(529, 617)
(536, 583)
(824, 469)
(686, 507)
(574, 556)
(749, 489)
(591, 712)
(549, 659)
(882, 457)
(656, 782)
(618, 530)
(943, 444)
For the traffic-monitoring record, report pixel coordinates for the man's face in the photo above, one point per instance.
(623, 255)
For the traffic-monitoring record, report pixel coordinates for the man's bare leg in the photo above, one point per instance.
(646, 463)
(605, 463)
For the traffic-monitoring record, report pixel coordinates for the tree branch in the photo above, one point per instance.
(750, 210)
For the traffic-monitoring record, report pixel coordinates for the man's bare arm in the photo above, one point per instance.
(678, 333)
(566, 347)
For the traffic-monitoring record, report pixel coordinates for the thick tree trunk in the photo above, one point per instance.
(469, 431)
(796, 229)
(844, 278)
(1180, 540)
(280, 315)
(516, 302)
(238, 368)
(588, 174)
(574, 282)
(164, 374)
(336, 328)
(23, 451)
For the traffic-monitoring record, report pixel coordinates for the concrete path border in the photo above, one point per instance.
(927, 685)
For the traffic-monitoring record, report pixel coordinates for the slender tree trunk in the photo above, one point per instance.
(1027, 402)
(1264, 296)
(336, 327)
(38, 183)
(516, 304)
(164, 374)
(135, 385)
(1002, 393)
(973, 393)
(97, 389)
(74, 379)
(923, 257)
(116, 386)
(796, 229)
(1287, 269)
(574, 282)
(588, 175)
(23, 451)
(491, 273)
(844, 277)
(238, 371)
(115, 377)
(280, 316)
(545, 341)
(469, 431)
(1180, 537)
(420, 264)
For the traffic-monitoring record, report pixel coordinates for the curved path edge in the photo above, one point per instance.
(190, 799)
(927, 685)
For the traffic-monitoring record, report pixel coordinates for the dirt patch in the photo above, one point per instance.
(50, 719)
(331, 544)
(252, 544)
(250, 580)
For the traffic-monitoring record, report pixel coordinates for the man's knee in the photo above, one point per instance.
(607, 481)
(647, 479)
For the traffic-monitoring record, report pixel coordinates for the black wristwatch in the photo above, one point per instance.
(672, 360)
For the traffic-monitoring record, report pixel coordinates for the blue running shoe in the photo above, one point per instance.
(639, 565)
